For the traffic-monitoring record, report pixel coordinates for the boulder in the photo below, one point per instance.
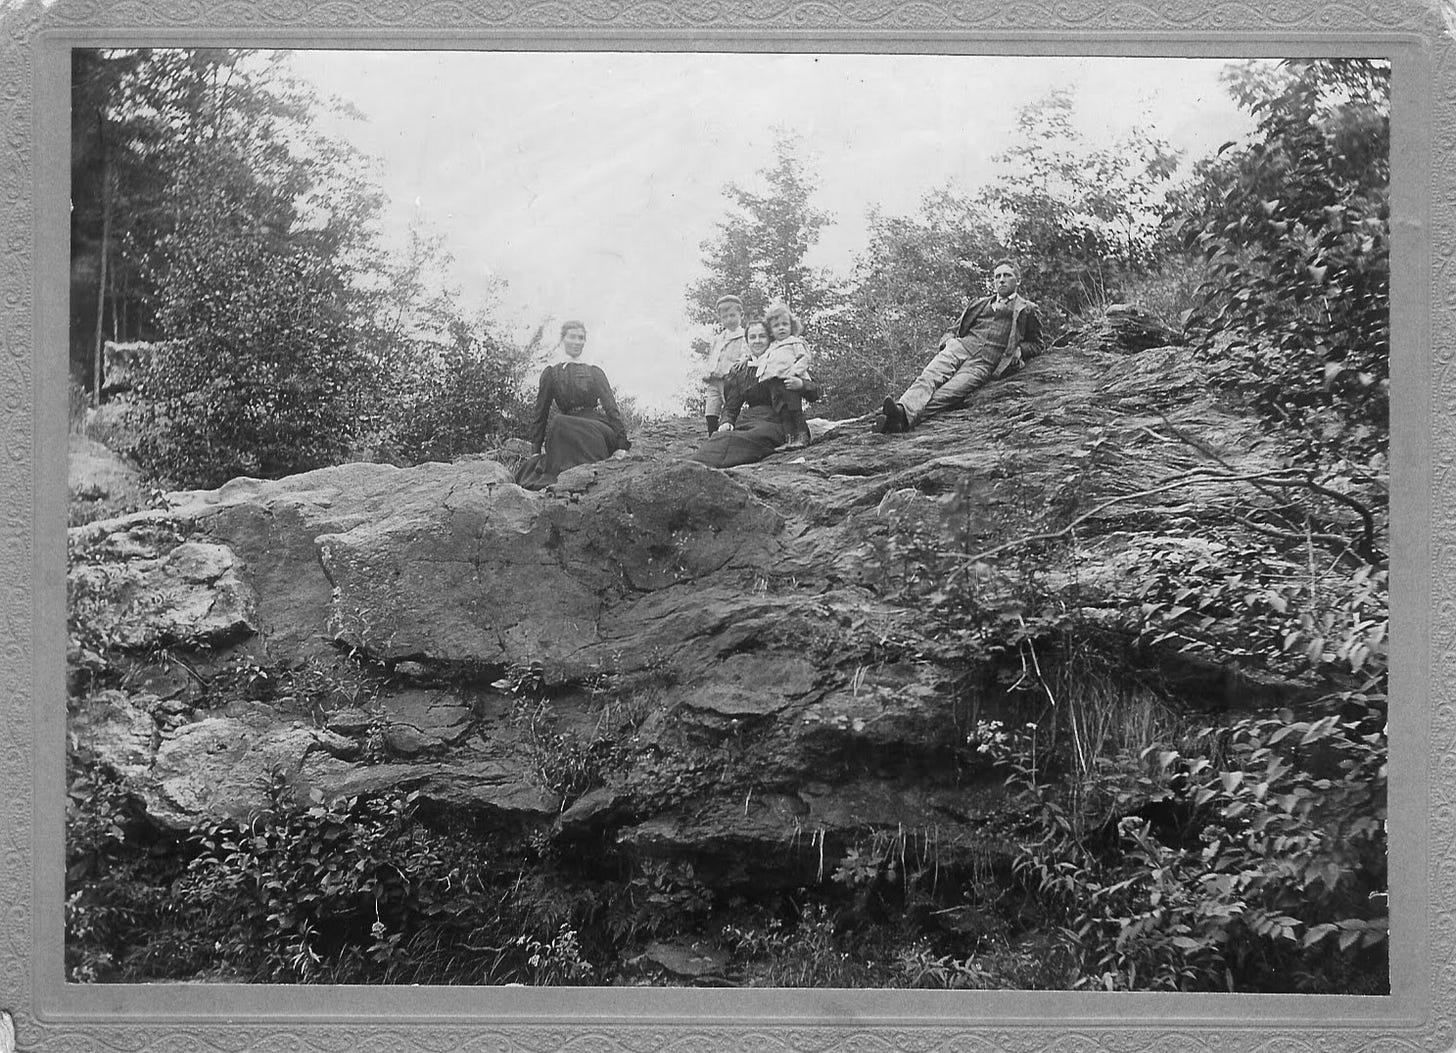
(191, 594)
(116, 729)
(691, 959)
(656, 657)
(101, 483)
(223, 766)
(437, 717)
(1123, 329)
(489, 790)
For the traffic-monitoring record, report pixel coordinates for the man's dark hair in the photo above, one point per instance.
(1006, 262)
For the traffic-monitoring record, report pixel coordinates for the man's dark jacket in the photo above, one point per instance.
(1025, 341)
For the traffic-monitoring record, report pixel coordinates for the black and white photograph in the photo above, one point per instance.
(728, 519)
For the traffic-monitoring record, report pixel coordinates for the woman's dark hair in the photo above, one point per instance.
(761, 324)
(570, 324)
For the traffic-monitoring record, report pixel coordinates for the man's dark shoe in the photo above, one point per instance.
(895, 419)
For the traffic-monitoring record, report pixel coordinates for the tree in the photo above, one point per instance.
(1296, 233)
(217, 219)
(759, 246)
(253, 372)
(1080, 220)
(116, 189)
(249, 291)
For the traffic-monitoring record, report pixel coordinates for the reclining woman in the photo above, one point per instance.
(752, 427)
(587, 427)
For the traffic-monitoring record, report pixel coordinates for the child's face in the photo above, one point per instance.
(730, 316)
(757, 337)
(781, 328)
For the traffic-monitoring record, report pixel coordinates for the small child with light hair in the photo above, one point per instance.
(787, 358)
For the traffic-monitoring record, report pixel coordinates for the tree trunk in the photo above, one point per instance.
(106, 196)
(114, 295)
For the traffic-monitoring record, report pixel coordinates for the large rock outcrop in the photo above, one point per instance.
(665, 659)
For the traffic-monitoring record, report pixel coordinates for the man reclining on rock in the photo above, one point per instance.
(994, 334)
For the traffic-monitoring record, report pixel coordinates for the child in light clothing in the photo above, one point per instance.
(727, 350)
(787, 358)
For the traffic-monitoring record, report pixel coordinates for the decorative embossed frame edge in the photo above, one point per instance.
(35, 38)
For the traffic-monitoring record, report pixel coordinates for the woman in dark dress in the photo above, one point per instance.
(587, 427)
(750, 430)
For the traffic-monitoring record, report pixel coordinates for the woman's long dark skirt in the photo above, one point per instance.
(757, 434)
(571, 439)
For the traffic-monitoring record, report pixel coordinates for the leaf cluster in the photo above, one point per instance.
(1295, 229)
(1282, 887)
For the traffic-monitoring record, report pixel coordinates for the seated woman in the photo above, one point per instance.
(752, 428)
(588, 426)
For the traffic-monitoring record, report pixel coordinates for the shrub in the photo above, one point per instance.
(451, 399)
(660, 896)
(557, 961)
(1282, 888)
(1171, 289)
(121, 921)
(347, 890)
(808, 954)
(1297, 241)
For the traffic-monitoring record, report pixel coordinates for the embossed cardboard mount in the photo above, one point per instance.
(50, 1015)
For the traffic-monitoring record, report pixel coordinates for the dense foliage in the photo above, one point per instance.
(247, 245)
(354, 890)
(1297, 238)
(254, 376)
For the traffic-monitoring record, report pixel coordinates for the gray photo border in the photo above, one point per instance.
(50, 1015)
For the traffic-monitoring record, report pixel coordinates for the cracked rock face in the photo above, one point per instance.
(724, 639)
(190, 595)
(218, 765)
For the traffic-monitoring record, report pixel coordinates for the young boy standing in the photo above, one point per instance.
(729, 346)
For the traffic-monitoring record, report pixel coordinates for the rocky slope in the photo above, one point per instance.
(652, 657)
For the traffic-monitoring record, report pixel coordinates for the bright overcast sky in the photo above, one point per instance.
(587, 181)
